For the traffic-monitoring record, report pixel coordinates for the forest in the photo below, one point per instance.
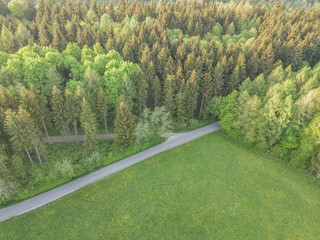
(139, 68)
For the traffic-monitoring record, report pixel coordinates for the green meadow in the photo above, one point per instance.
(211, 188)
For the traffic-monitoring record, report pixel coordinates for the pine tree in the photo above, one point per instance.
(124, 125)
(89, 124)
(102, 108)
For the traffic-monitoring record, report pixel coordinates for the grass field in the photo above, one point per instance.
(211, 188)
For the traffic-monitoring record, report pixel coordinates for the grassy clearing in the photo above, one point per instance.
(211, 188)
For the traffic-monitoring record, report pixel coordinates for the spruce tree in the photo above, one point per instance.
(72, 110)
(89, 124)
(169, 95)
(102, 109)
(58, 108)
(13, 129)
(34, 103)
(124, 125)
(218, 80)
(191, 91)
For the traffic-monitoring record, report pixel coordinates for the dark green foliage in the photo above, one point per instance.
(124, 125)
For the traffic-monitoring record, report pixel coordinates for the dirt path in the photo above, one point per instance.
(72, 138)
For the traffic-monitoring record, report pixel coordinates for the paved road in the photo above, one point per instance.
(44, 198)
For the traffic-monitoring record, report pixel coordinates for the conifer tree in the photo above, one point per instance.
(29, 131)
(124, 125)
(89, 124)
(8, 42)
(181, 104)
(218, 80)
(44, 34)
(59, 111)
(207, 90)
(267, 60)
(35, 104)
(191, 91)
(169, 95)
(102, 108)
(72, 110)
(13, 128)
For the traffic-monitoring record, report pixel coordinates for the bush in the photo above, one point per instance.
(152, 125)
(95, 160)
(64, 168)
(7, 189)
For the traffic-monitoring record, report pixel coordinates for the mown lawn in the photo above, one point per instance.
(211, 188)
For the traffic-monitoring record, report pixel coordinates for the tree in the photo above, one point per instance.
(29, 131)
(218, 80)
(169, 94)
(102, 109)
(13, 129)
(91, 82)
(124, 125)
(72, 110)
(207, 90)
(227, 109)
(35, 103)
(191, 91)
(16, 8)
(59, 111)
(8, 41)
(89, 124)
(152, 124)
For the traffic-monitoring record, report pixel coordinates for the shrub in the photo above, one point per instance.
(64, 168)
(7, 189)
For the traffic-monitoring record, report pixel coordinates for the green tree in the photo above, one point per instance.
(191, 91)
(16, 8)
(89, 124)
(58, 109)
(169, 95)
(124, 125)
(35, 104)
(102, 109)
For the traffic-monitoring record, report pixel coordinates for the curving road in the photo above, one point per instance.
(44, 198)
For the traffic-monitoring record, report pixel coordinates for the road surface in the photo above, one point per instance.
(72, 138)
(44, 198)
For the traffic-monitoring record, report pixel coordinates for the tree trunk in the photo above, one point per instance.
(106, 126)
(28, 154)
(76, 131)
(45, 128)
(35, 147)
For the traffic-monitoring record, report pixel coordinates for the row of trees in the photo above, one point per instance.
(279, 113)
